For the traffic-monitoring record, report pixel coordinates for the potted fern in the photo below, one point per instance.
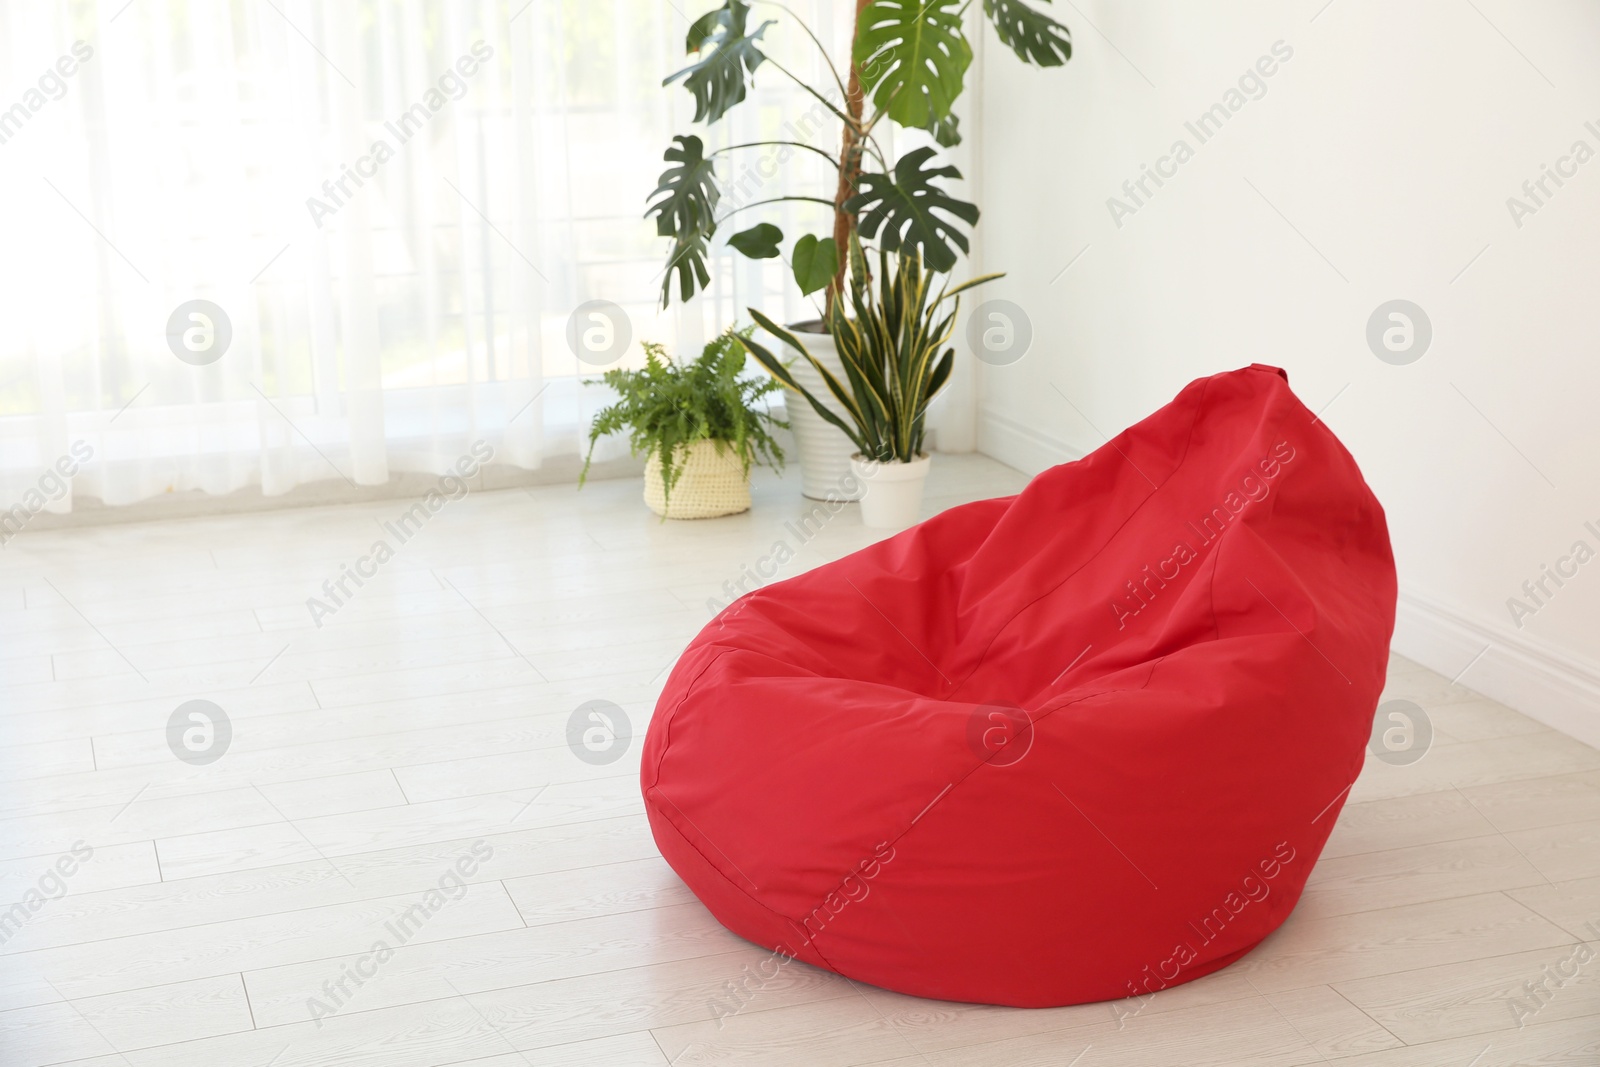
(700, 424)
(907, 63)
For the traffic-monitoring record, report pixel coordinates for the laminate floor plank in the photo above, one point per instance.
(56, 875)
(124, 1022)
(1562, 852)
(1314, 949)
(1537, 802)
(141, 961)
(1483, 996)
(1344, 885)
(288, 889)
(335, 836)
(416, 973)
(1405, 822)
(1565, 1043)
(1476, 763)
(1574, 905)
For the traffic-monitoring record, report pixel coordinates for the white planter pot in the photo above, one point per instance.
(892, 492)
(712, 483)
(824, 450)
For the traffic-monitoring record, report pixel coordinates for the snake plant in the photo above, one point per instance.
(892, 340)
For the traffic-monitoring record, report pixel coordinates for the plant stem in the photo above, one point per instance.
(802, 22)
(773, 200)
(849, 168)
(824, 101)
(796, 144)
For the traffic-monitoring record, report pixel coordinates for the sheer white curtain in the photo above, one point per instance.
(387, 209)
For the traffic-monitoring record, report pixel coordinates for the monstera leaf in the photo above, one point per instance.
(684, 204)
(947, 131)
(908, 211)
(727, 51)
(686, 194)
(913, 56)
(814, 262)
(1033, 36)
(688, 262)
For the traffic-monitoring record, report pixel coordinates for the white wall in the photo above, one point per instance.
(1390, 140)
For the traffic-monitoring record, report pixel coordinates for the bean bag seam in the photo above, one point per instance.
(735, 886)
(1211, 595)
(1043, 714)
(1188, 442)
(798, 923)
(899, 837)
(1216, 557)
(954, 785)
(711, 864)
(666, 744)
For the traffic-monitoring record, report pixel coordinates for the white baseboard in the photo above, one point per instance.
(1018, 446)
(1551, 685)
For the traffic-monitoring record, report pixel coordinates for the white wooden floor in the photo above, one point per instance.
(428, 716)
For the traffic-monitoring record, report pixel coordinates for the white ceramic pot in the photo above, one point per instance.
(712, 483)
(824, 450)
(891, 492)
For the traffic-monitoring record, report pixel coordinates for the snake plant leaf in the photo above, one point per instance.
(913, 57)
(779, 370)
(908, 211)
(968, 284)
(759, 241)
(728, 52)
(1034, 36)
(941, 374)
(814, 261)
(684, 204)
(828, 377)
(857, 263)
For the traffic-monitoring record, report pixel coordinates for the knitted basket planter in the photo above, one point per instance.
(713, 483)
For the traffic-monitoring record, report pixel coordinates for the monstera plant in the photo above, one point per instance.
(908, 59)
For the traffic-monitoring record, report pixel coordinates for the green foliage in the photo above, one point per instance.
(814, 262)
(1034, 36)
(759, 241)
(727, 51)
(900, 210)
(913, 57)
(889, 341)
(688, 262)
(947, 131)
(684, 204)
(668, 405)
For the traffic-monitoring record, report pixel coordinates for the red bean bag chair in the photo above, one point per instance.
(1081, 743)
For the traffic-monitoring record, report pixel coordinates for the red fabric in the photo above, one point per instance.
(1195, 620)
